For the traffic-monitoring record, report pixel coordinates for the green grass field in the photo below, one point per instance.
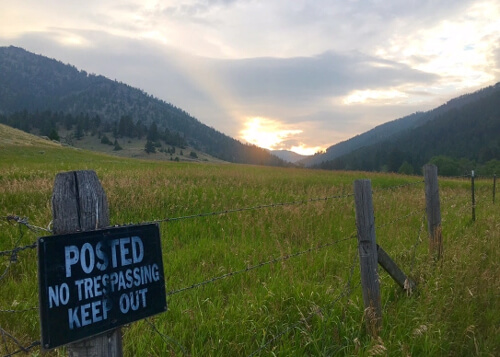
(307, 305)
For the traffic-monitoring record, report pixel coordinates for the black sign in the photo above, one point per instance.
(91, 282)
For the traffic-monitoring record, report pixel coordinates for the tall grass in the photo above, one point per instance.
(307, 305)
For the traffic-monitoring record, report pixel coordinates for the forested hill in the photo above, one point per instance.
(396, 127)
(31, 84)
(458, 139)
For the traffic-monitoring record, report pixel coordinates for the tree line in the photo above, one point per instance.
(50, 123)
(457, 141)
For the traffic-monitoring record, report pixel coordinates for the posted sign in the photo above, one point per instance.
(91, 282)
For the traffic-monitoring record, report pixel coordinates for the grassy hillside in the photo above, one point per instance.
(43, 93)
(308, 304)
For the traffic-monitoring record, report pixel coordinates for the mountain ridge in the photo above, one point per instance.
(34, 83)
(394, 127)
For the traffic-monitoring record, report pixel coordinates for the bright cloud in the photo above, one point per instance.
(266, 133)
(329, 69)
(375, 97)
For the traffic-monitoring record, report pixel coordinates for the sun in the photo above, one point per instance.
(273, 135)
(266, 133)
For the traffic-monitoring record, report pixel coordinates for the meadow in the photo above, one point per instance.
(305, 299)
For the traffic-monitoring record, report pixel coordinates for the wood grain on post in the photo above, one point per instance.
(79, 204)
(433, 209)
(368, 259)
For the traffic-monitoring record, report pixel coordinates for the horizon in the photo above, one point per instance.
(299, 77)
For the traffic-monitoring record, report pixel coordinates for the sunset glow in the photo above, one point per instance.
(273, 135)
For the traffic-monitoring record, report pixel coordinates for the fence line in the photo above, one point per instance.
(260, 265)
(24, 221)
(21, 347)
(398, 186)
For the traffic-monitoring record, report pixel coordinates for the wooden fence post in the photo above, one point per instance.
(473, 196)
(368, 258)
(433, 210)
(79, 203)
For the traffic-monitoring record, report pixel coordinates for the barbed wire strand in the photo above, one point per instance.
(401, 218)
(398, 186)
(259, 265)
(25, 221)
(21, 347)
(346, 291)
(11, 311)
(167, 338)
(243, 209)
(13, 255)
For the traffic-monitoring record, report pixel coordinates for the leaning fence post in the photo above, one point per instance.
(433, 210)
(368, 259)
(79, 203)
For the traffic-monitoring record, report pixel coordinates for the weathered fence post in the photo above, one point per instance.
(433, 210)
(473, 196)
(367, 248)
(79, 203)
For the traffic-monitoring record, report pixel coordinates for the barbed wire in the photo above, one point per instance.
(398, 186)
(243, 209)
(167, 338)
(260, 265)
(18, 249)
(346, 291)
(401, 218)
(25, 221)
(11, 311)
(16, 342)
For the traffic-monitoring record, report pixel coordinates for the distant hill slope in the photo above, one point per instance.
(468, 134)
(35, 83)
(395, 127)
(13, 137)
(288, 156)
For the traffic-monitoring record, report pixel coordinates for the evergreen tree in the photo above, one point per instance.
(150, 147)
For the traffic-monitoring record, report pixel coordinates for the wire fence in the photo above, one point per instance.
(24, 225)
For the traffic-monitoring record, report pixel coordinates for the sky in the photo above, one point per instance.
(299, 75)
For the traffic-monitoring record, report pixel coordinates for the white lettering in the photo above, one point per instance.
(103, 263)
(73, 318)
(87, 314)
(58, 294)
(87, 266)
(133, 300)
(71, 258)
(125, 251)
(137, 249)
(113, 245)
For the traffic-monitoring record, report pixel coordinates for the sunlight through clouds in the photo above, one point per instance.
(266, 133)
(329, 70)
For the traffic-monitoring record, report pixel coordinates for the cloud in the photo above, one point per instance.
(329, 68)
